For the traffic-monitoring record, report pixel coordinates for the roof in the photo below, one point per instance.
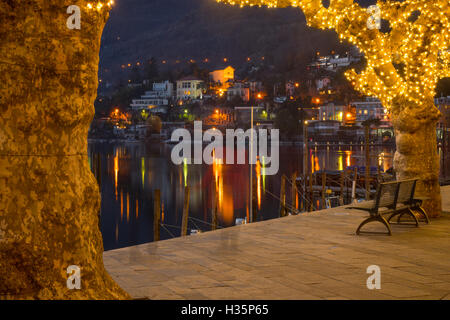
(190, 78)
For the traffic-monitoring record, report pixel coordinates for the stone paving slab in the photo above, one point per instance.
(311, 256)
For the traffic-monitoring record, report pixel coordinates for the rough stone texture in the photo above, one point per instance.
(49, 200)
(416, 155)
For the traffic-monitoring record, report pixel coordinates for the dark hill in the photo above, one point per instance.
(199, 29)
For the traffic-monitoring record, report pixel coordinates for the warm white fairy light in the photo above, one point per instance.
(403, 65)
(100, 5)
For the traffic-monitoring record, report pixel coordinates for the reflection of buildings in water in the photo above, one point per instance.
(116, 171)
(128, 207)
(137, 208)
(258, 183)
(317, 164)
(143, 172)
(121, 205)
(135, 172)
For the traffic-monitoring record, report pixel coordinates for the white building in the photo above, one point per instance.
(156, 100)
(190, 88)
(334, 62)
(371, 108)
(332, 112)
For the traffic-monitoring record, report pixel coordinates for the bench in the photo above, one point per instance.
(407, 202)
(395, 198)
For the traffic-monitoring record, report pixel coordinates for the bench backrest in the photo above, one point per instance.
(406, 191)
(387, 195)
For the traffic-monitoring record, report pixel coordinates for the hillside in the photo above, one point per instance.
(197, 29)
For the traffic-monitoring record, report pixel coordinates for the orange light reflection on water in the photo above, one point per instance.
(224, 194)
(116, 171)
(121, 205)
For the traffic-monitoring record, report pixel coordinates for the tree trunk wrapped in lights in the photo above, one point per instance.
(403, 68)
(49, 199)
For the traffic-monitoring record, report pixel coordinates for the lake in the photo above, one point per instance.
(129, 173)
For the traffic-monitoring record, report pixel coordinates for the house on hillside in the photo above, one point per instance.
(190, 88)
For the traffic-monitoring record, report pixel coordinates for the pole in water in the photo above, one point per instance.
(214, 207)
(157, 215)
(311, 192)
(184, 222)
(324, 183)
(294, 192)
(283, 197)
(367, 176)
(355, 181)
(251, 169)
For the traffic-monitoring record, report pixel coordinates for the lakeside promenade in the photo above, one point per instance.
(310, 256)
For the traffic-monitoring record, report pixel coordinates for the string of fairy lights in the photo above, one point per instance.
(404, 64)
(99, 5)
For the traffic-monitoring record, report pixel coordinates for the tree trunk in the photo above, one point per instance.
(49, 199)
(417, 156)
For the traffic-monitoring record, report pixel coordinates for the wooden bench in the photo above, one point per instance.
(395, 198)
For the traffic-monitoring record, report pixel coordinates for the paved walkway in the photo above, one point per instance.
(312, 256)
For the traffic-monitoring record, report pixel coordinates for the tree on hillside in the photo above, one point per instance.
(135, 75)
(151, 70)
(404, 65)
(289, 118)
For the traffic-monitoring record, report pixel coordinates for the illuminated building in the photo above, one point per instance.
(156, 100)
(223, 76)
(190, 88)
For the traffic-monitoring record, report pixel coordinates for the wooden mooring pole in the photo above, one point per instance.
(214, 205)
(324, 188)
(255, 200)
(311, 192)
(294, 192)
(355, 179)
(184, 221)
(283, 197)
(367, 176)
(341, 183)
(157, 215)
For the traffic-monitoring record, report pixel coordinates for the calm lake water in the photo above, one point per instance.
(130, 173)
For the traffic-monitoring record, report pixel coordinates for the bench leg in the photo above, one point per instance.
(422, 210)
(402, 213)
(411, 213)
(373, 219)
(400, 217)
(398, 213)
